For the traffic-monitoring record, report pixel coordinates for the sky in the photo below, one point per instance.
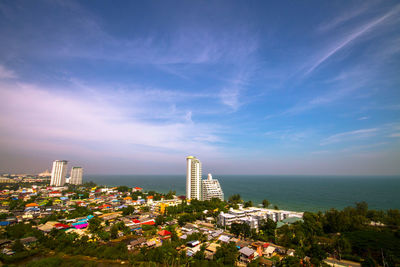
(248, 87)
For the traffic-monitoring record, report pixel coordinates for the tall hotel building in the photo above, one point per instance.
(193, 178)
(76, 175)
(58, 173)
(211, 188)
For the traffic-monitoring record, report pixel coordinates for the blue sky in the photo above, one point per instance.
(251, 87)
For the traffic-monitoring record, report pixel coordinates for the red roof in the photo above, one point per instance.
(265, 245)
(164, 233)
(61, 226)
(135, 221)
(138, 188)
(149, 223)
(55, 192)
(150, 197)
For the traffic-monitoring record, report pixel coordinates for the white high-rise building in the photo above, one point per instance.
(193, 178)
(58, 173)
(76, 175)
(211, 188)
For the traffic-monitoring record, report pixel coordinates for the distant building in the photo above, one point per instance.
(58, 173)
(7, 180)
(76, 175)
(137, 189)
(211, 188)
(46, 173)
(193, 178)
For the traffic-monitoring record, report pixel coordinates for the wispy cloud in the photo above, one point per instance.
(290, 135)
(363, 118)
(347, 15)
(351, 38)
(231, 92)
(349, 136)
(53, 115)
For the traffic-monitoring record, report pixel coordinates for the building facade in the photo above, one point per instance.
(211, 188)
(58, 173)
(254, 216)
(76, 175)
(193, 178)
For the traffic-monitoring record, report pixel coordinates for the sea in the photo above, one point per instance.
(288, 192)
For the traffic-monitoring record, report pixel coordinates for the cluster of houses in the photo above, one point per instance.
(107, 203)
(248, 250)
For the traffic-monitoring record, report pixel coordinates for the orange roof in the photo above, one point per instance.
(127, 198)
(151, 222)
(31, 205)
(149, 197)
(164, 233)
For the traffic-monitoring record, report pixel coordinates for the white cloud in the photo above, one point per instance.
(6, 73)
(363, 118)
(44, 116)
(349, 136)
(351, 37)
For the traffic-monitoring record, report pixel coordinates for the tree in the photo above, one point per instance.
(160, 220)
(128, 210)
(268, 227)
(248, 204)
(290, 261)
(265, 203)
(114, 231)
(235, 199)
(227, 254)
(240, 229)
(342, 246)
(95, 225)
(123, 188)
(18, 246)
(362, 208)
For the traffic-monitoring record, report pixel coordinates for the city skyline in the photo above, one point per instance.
(250, 88)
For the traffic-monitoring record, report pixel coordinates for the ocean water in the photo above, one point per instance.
(299, 193)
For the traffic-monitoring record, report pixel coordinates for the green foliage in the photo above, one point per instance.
(4, 215)
(183, 219)
(170, 194)
(128, 210)
(160, 220)
(265, 203)
(79, 212)
(20, 230)
(372, 243)
(235, 199)
(123, 188)
(248, 204)
(17, 257)
(18, 204)
(240, 229)
(227, 254)
(95, 225)
(266, 230)
(61, 262)
(290, 261)
(89, 184)
(18, 246)
(145, 209)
